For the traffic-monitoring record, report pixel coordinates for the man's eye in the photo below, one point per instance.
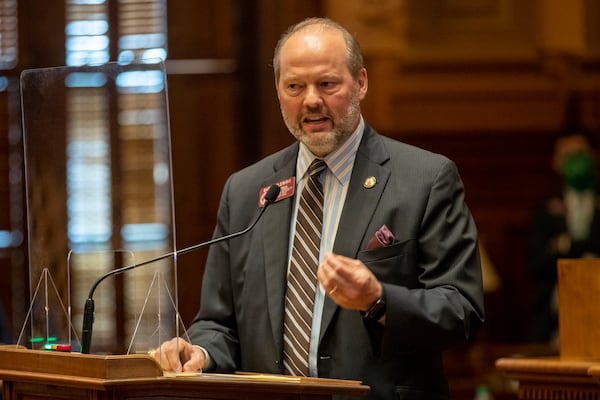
(329, 85)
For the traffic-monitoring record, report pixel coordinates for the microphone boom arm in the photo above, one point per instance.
(88, 312)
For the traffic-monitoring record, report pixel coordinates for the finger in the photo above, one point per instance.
(169, 357)
(195, 362)
(338, 270)
(326, 276)
(345, 268)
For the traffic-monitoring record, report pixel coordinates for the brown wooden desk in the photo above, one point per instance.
(575, 373)
(553, 378)
(35, 374)
(594, 371)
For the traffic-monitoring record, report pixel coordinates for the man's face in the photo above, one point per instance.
(319, 98)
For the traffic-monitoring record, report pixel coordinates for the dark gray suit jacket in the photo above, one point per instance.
(431, 274)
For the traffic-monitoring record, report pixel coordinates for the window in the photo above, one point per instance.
(128, 160)
(8, 34)
(12, 217)
(11, 222)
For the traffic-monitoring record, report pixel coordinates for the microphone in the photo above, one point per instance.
(88, 311)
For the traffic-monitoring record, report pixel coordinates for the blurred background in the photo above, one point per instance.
(488, 83)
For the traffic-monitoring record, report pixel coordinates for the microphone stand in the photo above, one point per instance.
(88, 311)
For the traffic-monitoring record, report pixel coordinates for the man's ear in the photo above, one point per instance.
(277, 89)
(363, 83)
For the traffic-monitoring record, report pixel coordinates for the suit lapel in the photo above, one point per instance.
(276, 243)
(362, 201)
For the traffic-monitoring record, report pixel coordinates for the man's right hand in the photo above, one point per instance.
(179, 356)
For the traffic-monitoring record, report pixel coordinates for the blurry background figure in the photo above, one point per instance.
(566, 225)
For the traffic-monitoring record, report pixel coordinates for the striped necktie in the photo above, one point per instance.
(302, 275)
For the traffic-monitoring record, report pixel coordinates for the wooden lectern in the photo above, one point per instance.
(575, 373)
(41, 375)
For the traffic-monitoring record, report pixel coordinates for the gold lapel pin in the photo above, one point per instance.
(370, 182)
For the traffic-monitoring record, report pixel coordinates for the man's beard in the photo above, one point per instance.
(321, 142)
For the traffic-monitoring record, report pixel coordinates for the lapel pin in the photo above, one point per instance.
(370, 182)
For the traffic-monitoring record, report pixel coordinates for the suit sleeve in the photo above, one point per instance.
(444, 307)
(214, 327)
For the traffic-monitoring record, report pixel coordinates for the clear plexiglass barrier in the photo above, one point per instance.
(99, 198)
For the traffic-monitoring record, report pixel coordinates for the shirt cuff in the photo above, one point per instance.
(208, 361)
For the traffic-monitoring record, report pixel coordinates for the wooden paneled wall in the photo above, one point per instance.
(223, 121)
(204, 126)
(484, 83)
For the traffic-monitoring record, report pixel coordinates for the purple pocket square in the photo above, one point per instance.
(383, 237)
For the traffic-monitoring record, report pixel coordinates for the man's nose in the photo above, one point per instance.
(312, 97)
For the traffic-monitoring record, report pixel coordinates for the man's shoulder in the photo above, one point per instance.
(268, 170)
(271, 162)
(399, 150)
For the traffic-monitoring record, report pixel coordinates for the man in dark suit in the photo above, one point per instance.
(399, 277)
